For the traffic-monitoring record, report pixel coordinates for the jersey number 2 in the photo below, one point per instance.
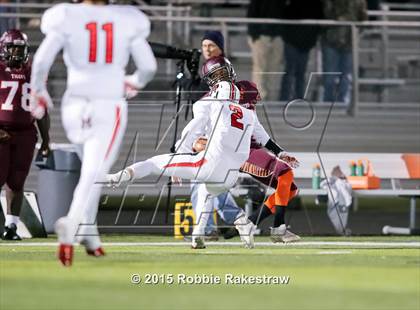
(236, 116)
(93, 40)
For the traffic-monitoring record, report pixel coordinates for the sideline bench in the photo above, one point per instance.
(399, 173)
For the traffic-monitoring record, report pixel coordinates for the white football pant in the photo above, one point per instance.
(98, 126)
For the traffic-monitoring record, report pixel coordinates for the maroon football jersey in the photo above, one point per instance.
(14, 97)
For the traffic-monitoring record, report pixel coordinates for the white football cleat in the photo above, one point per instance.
(120, 178)
(281, 234)
(246, 231)
(197, 242)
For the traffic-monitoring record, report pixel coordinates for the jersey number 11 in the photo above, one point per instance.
(93, 40)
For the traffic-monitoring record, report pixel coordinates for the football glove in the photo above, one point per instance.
(131, 86)
(40, 103)
(130, 91)
(4, 136)
(288, 159)
(200, 144)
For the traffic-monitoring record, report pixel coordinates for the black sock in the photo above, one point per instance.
(279, 216)
(260, 214)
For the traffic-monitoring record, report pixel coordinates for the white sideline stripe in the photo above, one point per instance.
(334, 252)
(413, 244)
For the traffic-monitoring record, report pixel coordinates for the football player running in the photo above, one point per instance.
(97, 40)
(229, 128)
(18, 133)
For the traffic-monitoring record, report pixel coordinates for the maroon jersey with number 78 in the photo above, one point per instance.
(14, 97)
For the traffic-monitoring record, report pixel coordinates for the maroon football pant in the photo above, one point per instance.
(16, 157)
(280, 177)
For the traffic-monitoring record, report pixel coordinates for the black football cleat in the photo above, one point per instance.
(10, 233)
(230, 233)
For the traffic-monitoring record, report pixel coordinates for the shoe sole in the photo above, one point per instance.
(281, 240)
(276, 240)
(292, 240)
(11, 239)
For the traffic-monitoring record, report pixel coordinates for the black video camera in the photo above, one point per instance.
(192, 57)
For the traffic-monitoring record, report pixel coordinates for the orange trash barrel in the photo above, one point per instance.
(412, 162)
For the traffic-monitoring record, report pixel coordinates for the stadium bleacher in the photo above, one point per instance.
(388, 108)
(345, 258)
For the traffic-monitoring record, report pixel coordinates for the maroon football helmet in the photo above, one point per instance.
(217, 69)
(249, 94)
(14, 48)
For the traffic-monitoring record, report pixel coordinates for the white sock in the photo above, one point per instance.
(11, 219)
(121, 176)
(88, 235)
(142, 169)
(66, 229)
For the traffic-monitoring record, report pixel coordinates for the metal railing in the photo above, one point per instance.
(174, 14)
(179, 31)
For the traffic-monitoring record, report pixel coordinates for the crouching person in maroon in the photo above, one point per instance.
(274, 169)
(18, 134)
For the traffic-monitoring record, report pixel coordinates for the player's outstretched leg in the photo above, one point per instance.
(185, 166)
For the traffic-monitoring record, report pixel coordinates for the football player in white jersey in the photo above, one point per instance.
(229, 128)
(97, 40)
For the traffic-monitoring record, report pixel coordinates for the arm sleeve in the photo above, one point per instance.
(259, 134)
(54, 27)
(262, 137)
(43, 60)
(273, 147)
(145, 62)
(142, 54)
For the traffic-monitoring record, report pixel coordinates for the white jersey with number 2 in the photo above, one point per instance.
(226, 124)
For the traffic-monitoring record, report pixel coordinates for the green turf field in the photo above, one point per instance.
(320, 276)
